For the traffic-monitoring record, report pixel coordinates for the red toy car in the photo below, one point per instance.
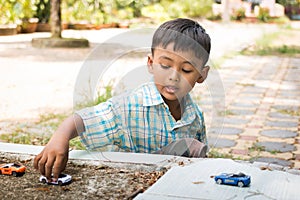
(12, 169)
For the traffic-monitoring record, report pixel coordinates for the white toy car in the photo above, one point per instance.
(63, 179)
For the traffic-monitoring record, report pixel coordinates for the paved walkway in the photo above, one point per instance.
(262, 105)
(261, 120)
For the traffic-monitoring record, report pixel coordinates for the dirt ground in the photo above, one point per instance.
(88, 182)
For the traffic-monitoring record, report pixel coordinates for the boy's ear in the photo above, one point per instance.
(150, 63)
(203, 74)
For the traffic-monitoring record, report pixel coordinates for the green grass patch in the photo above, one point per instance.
(102, 97)
(226, 113)
(25, 138)
(290, 112)
(215, 154)
(256, 148)
(267, 45)
(280, 50)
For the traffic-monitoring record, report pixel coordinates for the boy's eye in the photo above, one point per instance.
(165, 66)
(186, 70)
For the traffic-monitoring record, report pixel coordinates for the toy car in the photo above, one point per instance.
(12, 169)
(239, 179)
(63, 179)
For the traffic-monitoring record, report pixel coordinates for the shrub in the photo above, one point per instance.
(263, 14)
(238, 14)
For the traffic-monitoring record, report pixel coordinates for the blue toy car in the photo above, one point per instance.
(239, 179)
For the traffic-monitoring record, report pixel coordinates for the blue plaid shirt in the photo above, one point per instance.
(139, 121)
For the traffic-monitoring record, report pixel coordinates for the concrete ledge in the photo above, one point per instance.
(112, 159)
(59, 43)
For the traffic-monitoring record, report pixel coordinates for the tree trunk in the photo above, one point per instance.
(55, 19)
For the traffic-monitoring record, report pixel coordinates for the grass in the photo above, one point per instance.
(267, 45)
(215, 154)
(257, 148)
(289, 112)
(102, 97)
(226, 113)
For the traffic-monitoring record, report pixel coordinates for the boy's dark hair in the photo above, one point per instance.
(186, 34)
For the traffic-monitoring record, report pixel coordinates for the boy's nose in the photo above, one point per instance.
(174, 76)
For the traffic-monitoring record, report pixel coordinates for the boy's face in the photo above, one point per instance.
(175, 73)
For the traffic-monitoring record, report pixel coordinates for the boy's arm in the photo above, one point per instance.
(54, 156)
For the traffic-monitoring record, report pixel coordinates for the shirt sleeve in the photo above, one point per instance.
(201, 133)
(101, 126)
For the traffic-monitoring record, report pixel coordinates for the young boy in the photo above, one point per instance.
(158, 117)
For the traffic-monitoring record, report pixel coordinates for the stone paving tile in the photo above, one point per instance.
(281, 116)
(279, 133)
(235, 121)
(217, 142)
(226, 131)
(276, 146)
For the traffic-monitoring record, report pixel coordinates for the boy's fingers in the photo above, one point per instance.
(41, 165)
(58, 167)
(48, 167)
(36, 161)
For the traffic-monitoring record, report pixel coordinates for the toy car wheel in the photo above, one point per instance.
(44, 181)
(219, 181)
(240, 184)
(14, 173)
(60, 183)
(0, 172)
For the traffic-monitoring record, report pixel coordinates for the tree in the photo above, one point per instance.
(55, 19)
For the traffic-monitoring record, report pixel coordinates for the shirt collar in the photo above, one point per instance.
(151, 95)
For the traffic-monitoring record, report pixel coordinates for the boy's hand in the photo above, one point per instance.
(53, 159)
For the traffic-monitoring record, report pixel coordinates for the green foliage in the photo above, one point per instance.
(43, 10)
(27, 9)
(102, 97)
(238, 14)
(200, 8)
(263, 14)
(13, 10)
(167, 9)
(8, 11)
(288, 2)
(101, 11)
(213, 17)
(75, 143)
(155, 11)
(104, 11)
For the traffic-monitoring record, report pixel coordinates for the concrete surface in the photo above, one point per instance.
(195, 182)
(187, 178)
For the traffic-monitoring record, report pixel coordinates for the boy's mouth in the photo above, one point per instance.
(171, 89)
